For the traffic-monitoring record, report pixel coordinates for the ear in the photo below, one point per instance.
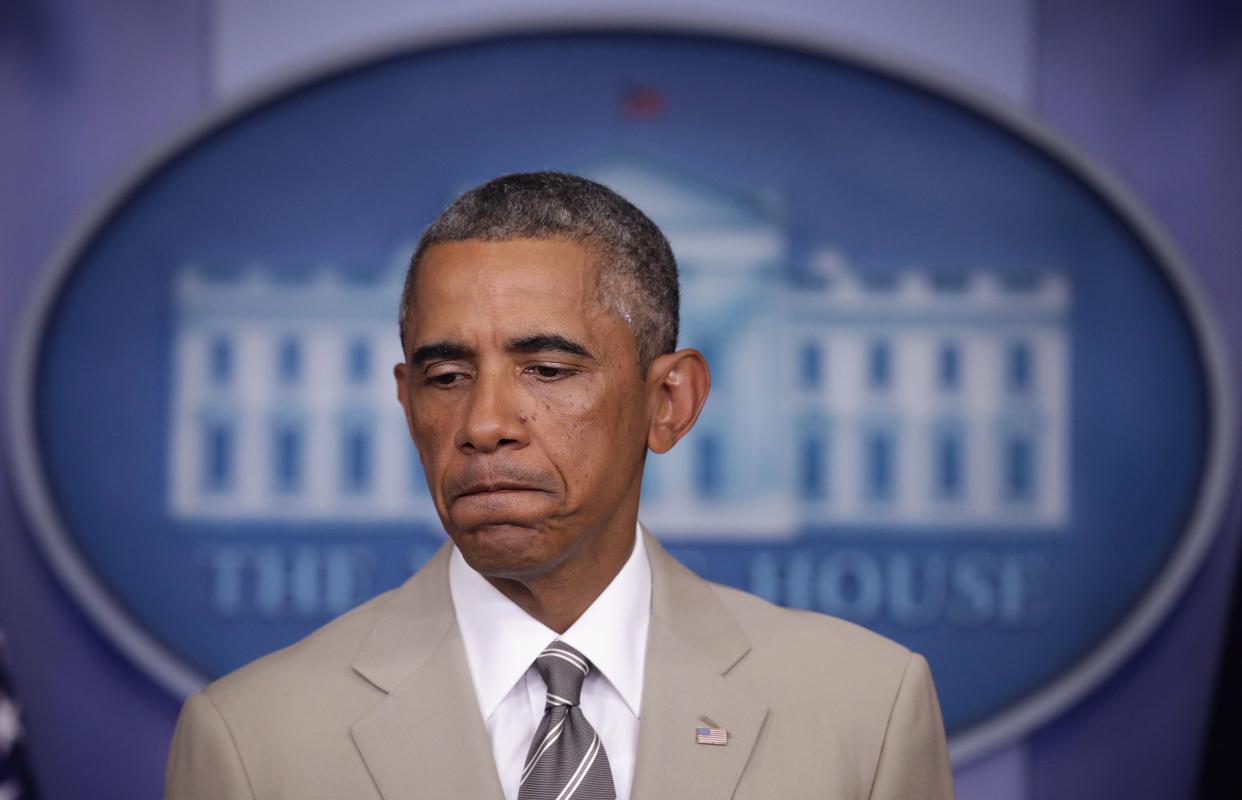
(677, 388)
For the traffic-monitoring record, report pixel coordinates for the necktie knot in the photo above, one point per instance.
(563, 669)
(566, 758)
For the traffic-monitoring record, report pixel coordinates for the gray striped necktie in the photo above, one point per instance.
(566, 758)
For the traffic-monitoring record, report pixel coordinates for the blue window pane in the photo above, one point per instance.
(880, 473)
(949, 467)
(950, 367)
(812, 472)
(218, 456)
(357, 460)
(708, 469)
(810, 365)
(1018, 367)
(653, 481)
(289, 360)
(288, 458)
(1019, 469)
(220, 360)
(714, 362)
(879, 365)
(359, 361)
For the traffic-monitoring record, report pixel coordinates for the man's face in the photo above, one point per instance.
(524, 397)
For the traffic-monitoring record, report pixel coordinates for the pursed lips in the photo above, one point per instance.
(500, 486)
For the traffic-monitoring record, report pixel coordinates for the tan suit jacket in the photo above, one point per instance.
(379, 704)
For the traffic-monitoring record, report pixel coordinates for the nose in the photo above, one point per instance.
(493, 419)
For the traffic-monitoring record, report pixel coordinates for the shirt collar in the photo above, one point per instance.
(502, 640)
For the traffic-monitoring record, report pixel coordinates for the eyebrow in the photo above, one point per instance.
(548, 343)
(440, 351)
(534, 343)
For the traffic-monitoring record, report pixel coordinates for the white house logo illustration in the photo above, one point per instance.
(954, 372)
(840, 402)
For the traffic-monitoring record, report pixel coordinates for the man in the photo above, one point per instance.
(552, 648)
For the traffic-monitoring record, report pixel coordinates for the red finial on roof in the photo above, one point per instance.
(642, 102)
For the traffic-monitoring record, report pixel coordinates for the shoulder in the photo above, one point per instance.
(850, 690)
(321, 662)
(280, 726)
(807, 634)
(836, 661)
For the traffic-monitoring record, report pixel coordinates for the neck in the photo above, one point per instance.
(558, 597)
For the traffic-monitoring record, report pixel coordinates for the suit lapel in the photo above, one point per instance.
(692, 644)
(425, 738)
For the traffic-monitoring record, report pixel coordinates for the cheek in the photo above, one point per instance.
(433, 436)
(583, 409)
(588, 436)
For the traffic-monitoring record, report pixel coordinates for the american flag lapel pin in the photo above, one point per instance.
(710, 733)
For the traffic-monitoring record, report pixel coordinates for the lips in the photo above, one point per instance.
(502, 486)
(481, 479)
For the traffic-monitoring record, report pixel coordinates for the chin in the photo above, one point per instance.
(505, 550)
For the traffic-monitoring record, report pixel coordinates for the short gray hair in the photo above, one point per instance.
(637, 273)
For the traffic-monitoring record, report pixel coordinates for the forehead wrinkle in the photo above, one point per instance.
(493, 274)
(502, 279)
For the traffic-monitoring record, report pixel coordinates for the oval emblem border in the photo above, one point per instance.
(1020, 718)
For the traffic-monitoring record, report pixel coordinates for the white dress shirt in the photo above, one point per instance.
(502, 642)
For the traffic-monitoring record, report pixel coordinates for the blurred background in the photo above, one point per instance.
(964, 272)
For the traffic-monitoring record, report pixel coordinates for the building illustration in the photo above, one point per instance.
(839, 402)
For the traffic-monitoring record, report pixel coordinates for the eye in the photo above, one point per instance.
(445, 379)
(549, 372)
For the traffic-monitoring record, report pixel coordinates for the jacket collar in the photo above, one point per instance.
(415, 655)
(412, 624)
(425, 738)
(693, 613)
(692, 645)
